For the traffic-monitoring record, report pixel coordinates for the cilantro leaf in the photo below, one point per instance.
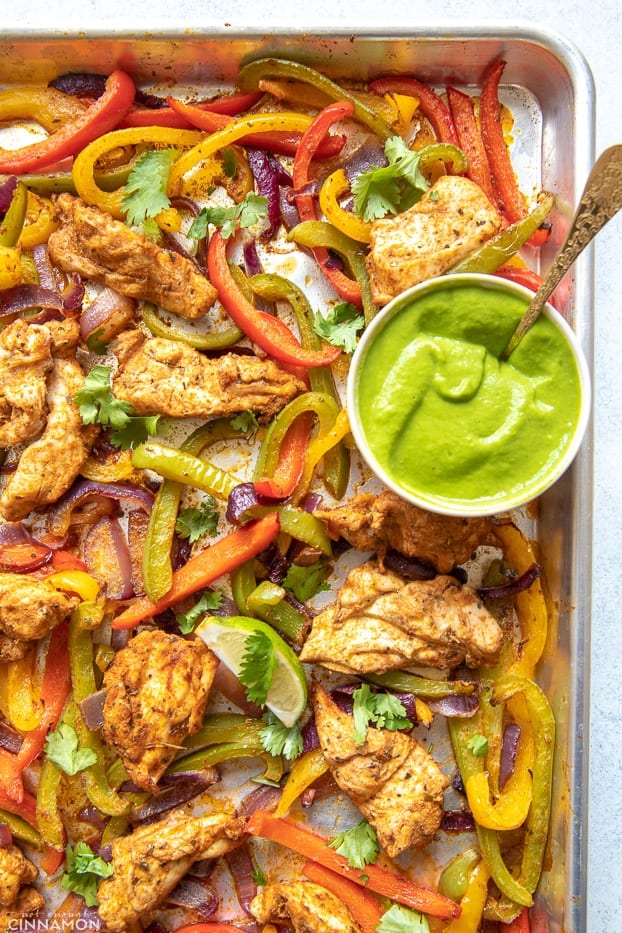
(61, 747)
(259, 877)
(306, 582)
(390, 188)
(359, 844)
(137, 430)
(384, 710)
(246, 421)
(208, 602)
(247, 213)
(399, 919)
(478, 744)
(195, 523)
(278, 739)
(97, 405)
(340, 326)
(145, 189)
(83, 870)
(257, 666)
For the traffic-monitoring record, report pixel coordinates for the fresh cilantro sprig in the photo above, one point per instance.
(259, 877)
(97, 405)
(207, 603)
(250, 211)
(257, 667)
(400, 919)
(359, 844)
(278, 739)
(246, 421)
(390, 188)
(84, 871)
(145, 189)
(196, 523)
(478, 744)
(340, 326)
(384, 710)
(62, 747)
(306, 582)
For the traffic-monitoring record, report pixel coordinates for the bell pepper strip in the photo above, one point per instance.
(472, 904)
(313, 233)
(243, 582)
(251, 74)
(26, 808)
(176, 464)
(215, 561)
(423, 687)
(76, 581)
(231, 104)
(299, 524)
(65, 560)
(390, 884)
(454, 879)
(267, 601)
(431, 105)
(520, 925)
(21, 829)
(511, 199)
(274, 288)
(470, 141)
(49, 819)
(269, 333)
(318, 448)
(225, 727)
(225, 751)
(23, 693)
(505, 244)
(94, 778)
(50, 108)
(526, 277)
(101, 117)
(12, 223)
(333, 188)
(40, 222)
(171, 330)
(51, 183)
(365, 909)
(304, 771)
(510, 810)
(10, 267)
(23, 557)
(278, 141)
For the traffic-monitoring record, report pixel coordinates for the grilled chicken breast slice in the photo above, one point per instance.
(307, 906)
(453, 218)
(25, 361)
(29, 610)
(156, 692)
(380, 623)
(167, 377)
(390, 778)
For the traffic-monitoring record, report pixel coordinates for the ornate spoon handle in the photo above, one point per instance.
(600, 201)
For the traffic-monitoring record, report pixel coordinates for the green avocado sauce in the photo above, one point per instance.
(450, 422)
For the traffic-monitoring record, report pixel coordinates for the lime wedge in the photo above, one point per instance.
(287, 694)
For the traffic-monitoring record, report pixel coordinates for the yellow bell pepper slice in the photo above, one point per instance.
(353, 226)
(304, 771)
(10, 266)
(40, 221)
(76, 581)
(24, 693)
(472, 904)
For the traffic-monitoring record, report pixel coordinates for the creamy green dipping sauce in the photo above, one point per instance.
(450, 422)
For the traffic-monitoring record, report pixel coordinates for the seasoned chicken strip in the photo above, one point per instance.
(48, 467)
(453, 218)
(309, 908)
(156, 692)
(29, 610)
(167, 377)
(25, 361)
(390, 778)
(380, 623)
(105, 250)
(151, 861)
(378, 523)
(18, 900)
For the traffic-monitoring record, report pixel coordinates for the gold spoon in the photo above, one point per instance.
(600, 201)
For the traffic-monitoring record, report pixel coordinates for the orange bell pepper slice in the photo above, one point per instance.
(363, 906)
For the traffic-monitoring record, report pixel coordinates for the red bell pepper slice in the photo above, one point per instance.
(102, 116)
(26, 807)
(65, 560)
(519, 925)
(471, 142)
(345, 287)
(274, 141)
(390, 884)
(431, 105)
(529, 279)
(222, 557)
(231, 104)
(269, 333)
(291, 461)
(24, 557)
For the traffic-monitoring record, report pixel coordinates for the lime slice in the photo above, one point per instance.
(287, 694)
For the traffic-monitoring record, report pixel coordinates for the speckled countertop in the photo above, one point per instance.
(594, 29)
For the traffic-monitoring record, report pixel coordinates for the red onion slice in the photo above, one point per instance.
(264, 797)
(7, 190)
(184, 788)
(109, 313)
(107, 557)
(6, 839)
(196, 895)
(60, 518)
(92, 709)
(25, 297)
(457, 821)
(512, 587)
(228, 684)
(10, 740)
(509, 747)
(241, 867)
(456, 706)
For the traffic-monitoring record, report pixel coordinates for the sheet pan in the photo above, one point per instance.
(549, 84)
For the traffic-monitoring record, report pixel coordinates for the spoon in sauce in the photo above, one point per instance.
(601, 200)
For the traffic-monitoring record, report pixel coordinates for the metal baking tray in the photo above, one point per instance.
(550, 89)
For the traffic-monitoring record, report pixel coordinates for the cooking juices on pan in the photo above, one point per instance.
(196, 570)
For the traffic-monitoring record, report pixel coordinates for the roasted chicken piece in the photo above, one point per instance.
(307, 906)
(156, 692)
(167, 377)
(18, 899)
(390, 778)
(381, 623)
(453, 218)
(29, 610)
(93, 244)
(25, 361)
(151, 861)
(48, 467)
(379, 523)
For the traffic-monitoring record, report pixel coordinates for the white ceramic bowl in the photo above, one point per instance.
(406, 481)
